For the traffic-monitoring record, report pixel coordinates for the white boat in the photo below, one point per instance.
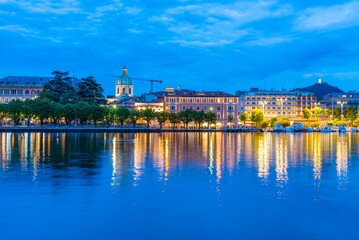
(278, 128)
(324, 129)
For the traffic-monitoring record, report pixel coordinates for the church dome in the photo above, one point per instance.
(124, 79)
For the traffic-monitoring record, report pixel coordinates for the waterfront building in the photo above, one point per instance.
(221, 103)
(22, 87)
(153, 101)
(124, 85)
(337, 100)
(276, 103)
(16, 87)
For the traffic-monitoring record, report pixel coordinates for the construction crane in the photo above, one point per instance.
(140, 79)
(148, 80)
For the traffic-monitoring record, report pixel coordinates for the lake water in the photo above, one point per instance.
(179, 186)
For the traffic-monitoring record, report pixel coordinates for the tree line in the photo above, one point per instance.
(84, 103)
(351, 117)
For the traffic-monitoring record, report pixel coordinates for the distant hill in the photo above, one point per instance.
(320, 89)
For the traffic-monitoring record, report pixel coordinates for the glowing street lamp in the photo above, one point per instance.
(342, 104)
(281, 100)
(114, 108)
(263, 103)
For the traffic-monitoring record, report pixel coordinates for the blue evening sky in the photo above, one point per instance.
(203, 45)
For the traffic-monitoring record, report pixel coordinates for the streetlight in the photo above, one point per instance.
(342, 103)
(263, 103)
(281, 100)
(114, 119)
(315, 113)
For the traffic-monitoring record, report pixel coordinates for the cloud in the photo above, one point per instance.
(311, 75)
(327, 18)
(48, 6)
(268, 41)
(216, 24)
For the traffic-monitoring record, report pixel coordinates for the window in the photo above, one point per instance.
(230, 108)
(6, 100)
(211, 108)
(205, 108)
(20, 91)
(13, 91)
(218, 108)
(123, 90)
(198, 107)
(218, 115)
(173, 108)
(184, 108)
(28, 92)
(129, 91)
(191, 107)
(6, 92)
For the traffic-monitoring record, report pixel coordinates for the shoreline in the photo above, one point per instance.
(113, 130)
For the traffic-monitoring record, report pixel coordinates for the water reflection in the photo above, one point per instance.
(164, 156)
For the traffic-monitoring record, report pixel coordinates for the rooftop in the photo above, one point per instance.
(192, 93)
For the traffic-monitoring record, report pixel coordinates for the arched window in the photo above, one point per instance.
(32, 91)
(118, 91)
(129, 91)
(123, 90)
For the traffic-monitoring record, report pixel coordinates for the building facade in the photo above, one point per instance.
(276, 103)
(337, 100)
(221, 103)
(13, 87)
(124, 85)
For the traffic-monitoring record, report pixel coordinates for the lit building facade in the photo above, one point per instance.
(334, 100)
(221, 103)
(13, 87)
(276, 103)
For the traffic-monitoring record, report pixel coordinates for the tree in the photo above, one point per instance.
(210, 118)
(272, 121)
(350, 113)
(257, 116)
(90, 91)
(161, 118)
(97, 113)
(69, 113)
(56, 111)
(122, 114)
(230, 118)
(265, 124)
(186, 116)
(327, 113)
(148, 115)
(13, 110)
(41, 109)
(2, 112)
(317, 112)
(243, 118)
(198, 118)
(134, 116)
(338, 113)
(173, 118)
(83, 111)
(307, 114)
(59, 89)
(27, 110)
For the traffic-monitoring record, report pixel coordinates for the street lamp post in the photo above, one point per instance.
(281, 100)
(114, 119)
(263, 103)
(342, 104)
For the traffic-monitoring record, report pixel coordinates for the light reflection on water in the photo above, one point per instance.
(186, 167)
